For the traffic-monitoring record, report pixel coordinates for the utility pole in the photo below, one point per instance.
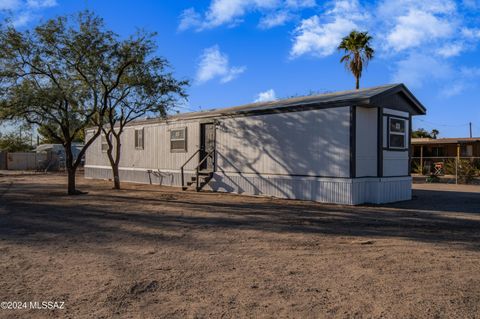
(470, 129)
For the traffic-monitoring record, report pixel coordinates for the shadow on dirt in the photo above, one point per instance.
(35, 213)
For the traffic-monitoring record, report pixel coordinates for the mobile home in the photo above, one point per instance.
(349, 147)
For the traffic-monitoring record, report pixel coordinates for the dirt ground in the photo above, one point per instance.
(156, 252)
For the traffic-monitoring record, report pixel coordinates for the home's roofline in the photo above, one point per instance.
(363, 97)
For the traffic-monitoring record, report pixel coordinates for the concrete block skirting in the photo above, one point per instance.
(320, 189)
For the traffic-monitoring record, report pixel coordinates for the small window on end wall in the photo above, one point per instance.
(139, 139)
(397, 133)
(178, 140)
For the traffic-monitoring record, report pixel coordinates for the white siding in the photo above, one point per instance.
(156, 152)
(366, 141)
(395, 112)
(328, 190)
(395, 163)
(313, 143)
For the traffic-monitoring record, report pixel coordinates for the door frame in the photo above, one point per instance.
(201, 140)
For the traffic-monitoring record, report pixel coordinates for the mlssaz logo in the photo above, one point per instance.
(50, 305)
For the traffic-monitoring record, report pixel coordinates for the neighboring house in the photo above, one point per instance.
(446, 147)
(348, 147)
(56, 154)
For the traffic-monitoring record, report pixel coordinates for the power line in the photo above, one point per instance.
(443, 125)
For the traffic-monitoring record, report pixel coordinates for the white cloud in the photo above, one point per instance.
(470, 72)
(22, 19)
(416, 28)
(10, 4)
(275, 19)
(388, 8)
(215, 64)
(21, 12)
(189, 19)
(451, 50)
(266, 96)
(471, 33)
(416, 69)
(471, 4)
(423, 36)
(231, 12)
(454, 89)
(321, 35)
(39, 4)
(301, 3)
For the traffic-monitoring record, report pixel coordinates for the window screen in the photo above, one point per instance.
(397, 133)
(139, 139)
(178, 140)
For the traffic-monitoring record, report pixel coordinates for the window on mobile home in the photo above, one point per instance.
(178, 140)
(139, 139)
(104, 143)
(397, 133)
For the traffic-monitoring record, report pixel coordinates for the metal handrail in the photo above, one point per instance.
(197, 169)
(183, 166)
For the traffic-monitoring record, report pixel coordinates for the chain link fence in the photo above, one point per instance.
(458, 170)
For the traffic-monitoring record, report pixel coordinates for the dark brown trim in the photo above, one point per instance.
(353, 141)
(380, 142)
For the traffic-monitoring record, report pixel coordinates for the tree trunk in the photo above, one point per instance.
(357, 86)
(114, 160)
(72, 190)
(71, 169)
(116, 176)
(116, 173)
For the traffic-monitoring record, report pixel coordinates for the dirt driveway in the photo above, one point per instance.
(151, 252)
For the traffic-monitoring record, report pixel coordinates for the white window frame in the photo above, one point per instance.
(178, 150)
(137, 140)
(404, 133)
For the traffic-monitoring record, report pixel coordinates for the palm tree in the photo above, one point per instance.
(358, 52)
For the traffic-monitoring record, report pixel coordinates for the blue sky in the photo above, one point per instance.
(239, 51)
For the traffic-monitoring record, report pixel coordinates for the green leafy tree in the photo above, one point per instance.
(46, 137)
(54, 76)
(422, 133)
(357, 53)
(14, 142)
(146, 87)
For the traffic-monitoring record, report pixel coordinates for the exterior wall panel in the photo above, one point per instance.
(156, 153)
(366, 142)
(395, 163)
(311, 143)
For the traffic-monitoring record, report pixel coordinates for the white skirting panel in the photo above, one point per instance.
(326, 190)
(139, 175)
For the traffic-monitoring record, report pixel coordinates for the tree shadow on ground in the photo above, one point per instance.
(34, 213)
